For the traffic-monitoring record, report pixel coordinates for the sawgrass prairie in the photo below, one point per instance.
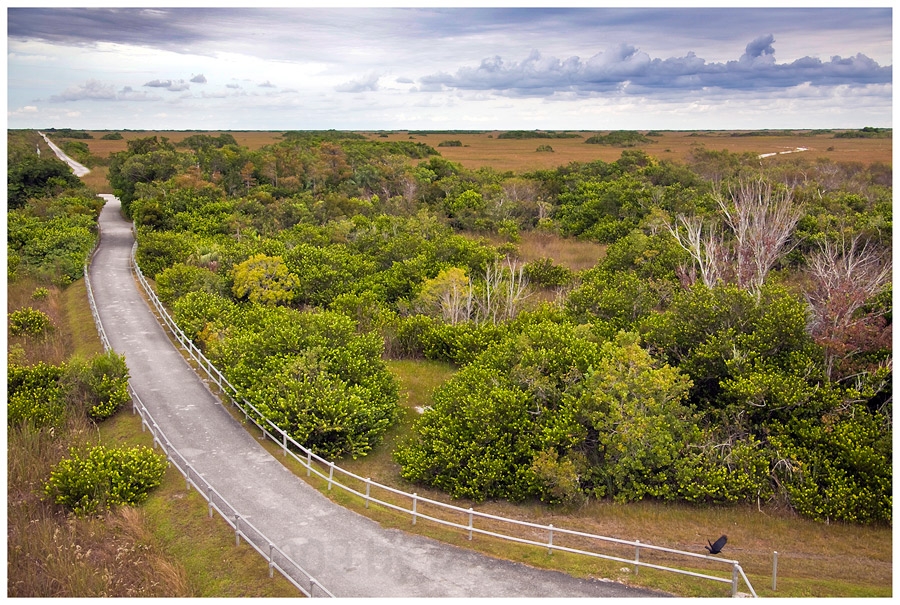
(480, 149)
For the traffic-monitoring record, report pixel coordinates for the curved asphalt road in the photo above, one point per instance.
(349, 554)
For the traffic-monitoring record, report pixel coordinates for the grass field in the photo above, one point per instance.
(521, 155)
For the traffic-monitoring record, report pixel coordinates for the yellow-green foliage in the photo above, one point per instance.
(34, 394)
(101, 477)
(265, 280)
(28, 321)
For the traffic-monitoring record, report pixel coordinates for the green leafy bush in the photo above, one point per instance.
(477, 440)
(159, 250)
(459, 343)
(543, 272)
(57, 246)
(99, 478)
(33, 176)
(312, 375)
(40, 294)
(29, 321)
(494, 427)
(264, 279)
(179, 279)
(99, 385)
(35, 394)
(840, 466)
(634, 424)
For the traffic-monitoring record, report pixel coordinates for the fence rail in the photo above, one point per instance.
(312, 462)
(276, 558)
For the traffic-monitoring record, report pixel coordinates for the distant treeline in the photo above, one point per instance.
(619, 138)
(537, 134)
(68, 133)
(866, 133)
(427, 132)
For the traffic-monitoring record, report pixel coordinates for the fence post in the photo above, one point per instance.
(368, 486)
(415, 497)
(308, 462)
(271, 561)
(550, 544)
(237, 530)
(284, 443)
(209, 499)
(734, 580)
(470, 523)
(330, 473)
(775, 571)
(637, 556)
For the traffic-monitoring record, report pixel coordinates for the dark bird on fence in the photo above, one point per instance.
(717, 547)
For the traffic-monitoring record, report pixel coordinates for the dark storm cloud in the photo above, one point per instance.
(625, 66)
(146, 27)
(274, 32)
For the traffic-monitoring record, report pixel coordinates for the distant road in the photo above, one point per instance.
(796, 150)
(77, 168)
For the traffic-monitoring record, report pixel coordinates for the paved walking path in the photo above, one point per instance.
(347, 553)
(77, 168)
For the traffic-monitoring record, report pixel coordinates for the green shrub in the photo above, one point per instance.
(558, 478)
(543, 272)
(40, 294)
(841, 466)
(179, 279)
(99, 385)
(92, 480)
(55, 247)
(312, 374)
(459, 343)
(477, 441)
(202, 315)
(29, 321)
(34, 394)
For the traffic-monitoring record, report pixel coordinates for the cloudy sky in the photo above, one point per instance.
(449, 68)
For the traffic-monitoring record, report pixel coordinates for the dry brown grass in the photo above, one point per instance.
(574, 254)
(520, 155)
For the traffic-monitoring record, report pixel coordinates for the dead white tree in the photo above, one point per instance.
(706, 247)
(762, 220)
(516, 287)
(504, 289)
